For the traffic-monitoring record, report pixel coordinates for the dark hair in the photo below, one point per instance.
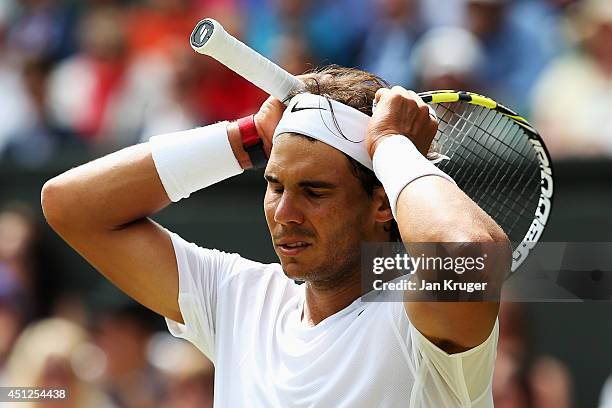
(355, 88)
(350, 86)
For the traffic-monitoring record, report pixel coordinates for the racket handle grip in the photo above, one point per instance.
(210, 38)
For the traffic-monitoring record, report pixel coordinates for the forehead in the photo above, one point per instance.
(294, 156)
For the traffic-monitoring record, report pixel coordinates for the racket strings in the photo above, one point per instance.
(485, 180)
(505, 209)
(492, 160)
(513, 131)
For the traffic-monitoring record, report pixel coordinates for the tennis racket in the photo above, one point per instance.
(494, 155)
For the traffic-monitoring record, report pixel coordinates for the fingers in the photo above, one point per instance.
(273, 109)
(266, 120)
(426, 126)
(398, 94)
(274, 102)
(407, 104)
(411, 97)
(379, 94)
(402, 111)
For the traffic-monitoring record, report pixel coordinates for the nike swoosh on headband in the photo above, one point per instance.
(296, 109)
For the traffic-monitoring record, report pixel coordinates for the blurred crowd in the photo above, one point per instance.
(108, 353)
(103, 74)
(97, 75)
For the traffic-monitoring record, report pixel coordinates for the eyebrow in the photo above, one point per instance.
(304, 183)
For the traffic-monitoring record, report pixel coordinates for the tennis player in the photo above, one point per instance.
(337, 175)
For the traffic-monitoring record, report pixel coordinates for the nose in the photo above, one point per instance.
(288, 210)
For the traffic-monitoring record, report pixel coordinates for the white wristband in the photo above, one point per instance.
(397, 163)
(190, 160)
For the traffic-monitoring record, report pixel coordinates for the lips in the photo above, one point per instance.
(292, 247)
(296, 244)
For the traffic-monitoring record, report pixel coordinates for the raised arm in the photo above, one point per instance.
(101, 210)
(430, 208)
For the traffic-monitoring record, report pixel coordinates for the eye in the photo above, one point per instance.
(275, 188)
(313, 194)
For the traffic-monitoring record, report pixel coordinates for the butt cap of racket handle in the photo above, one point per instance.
(210, 38)
(204, 35)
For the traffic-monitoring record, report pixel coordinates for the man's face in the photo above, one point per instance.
(317, 211)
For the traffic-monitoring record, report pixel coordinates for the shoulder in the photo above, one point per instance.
(191, 256)
(390, 309)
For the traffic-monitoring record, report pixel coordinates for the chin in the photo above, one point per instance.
(300, 269)
(296, 271)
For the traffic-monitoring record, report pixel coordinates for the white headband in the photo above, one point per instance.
(328, 121)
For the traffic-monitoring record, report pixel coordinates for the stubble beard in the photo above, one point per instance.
(340, 268)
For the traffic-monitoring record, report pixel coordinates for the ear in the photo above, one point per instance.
(382, 207)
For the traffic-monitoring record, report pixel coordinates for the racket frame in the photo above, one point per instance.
(545, 202)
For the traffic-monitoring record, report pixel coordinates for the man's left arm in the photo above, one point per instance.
(432, 209)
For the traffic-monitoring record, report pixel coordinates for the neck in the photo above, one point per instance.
(324, 301)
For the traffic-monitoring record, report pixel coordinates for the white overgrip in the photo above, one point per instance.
(246, 62)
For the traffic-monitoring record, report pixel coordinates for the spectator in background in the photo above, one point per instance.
(150, 26)
(544, 19)
(12, 321)
(294, 54)
(217, 86)
(572, 99)
(129, 378)
(83, 88)
(521, 379)
(17, 107)
(169, 87)
(330, 27)
(510, 388)
(267, 24)
(513, 56)
(218, 89)
(551, 383)
(55, 353)
(189, 375)
(25, 132)
(17, 260)
(390, 39)
(161, 90)
(447, 58)
(36, 139)
(43, 29)
(29, 268)
(336, 29)
(201, 6)
(160, 95)
(452, 14)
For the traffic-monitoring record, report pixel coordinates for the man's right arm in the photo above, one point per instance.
(101, 209)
